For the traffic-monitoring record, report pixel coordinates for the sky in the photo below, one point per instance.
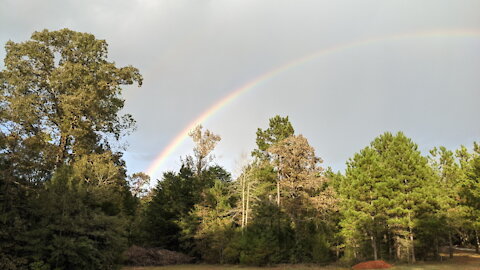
(343, 71)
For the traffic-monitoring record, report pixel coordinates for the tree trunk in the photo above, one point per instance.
(199, 164)
(248, 204)
(390, 246)
(412, 246)
(450, 244)
(374, 246)
(278, 192)
(243, 201)
(61, 152)
(397, 247)
(477, 246)
(436, 250)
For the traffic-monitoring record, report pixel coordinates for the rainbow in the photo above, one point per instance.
(182, 135)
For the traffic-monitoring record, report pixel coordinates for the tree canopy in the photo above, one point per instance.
(59, 111)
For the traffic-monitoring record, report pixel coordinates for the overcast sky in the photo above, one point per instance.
(193, 53)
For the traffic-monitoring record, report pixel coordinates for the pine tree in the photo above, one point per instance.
(449, 181)
(470, 191)
(388, 188)
(363, 200)
(279, 128)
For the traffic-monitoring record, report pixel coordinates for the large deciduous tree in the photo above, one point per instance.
(59, 90)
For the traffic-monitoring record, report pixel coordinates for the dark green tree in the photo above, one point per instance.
(173, 198)
(79, 219)
(388, 189)
(411, 191)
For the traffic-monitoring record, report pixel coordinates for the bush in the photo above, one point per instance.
(140, 256)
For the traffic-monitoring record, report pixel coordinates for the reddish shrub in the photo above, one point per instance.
(372, 265)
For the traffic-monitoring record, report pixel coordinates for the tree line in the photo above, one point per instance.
(66, 201)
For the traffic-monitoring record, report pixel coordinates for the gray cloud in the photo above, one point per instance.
(193, 53)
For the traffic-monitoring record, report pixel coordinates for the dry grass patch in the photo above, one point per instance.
(463, 261)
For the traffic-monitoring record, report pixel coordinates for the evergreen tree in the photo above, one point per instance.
(387, 190)
(449, 175)
(80, 222)
(169, 220)
(470, 191)
(173, 198)
(364, 202)
(214, 214)
(410, 190)
(279, 128)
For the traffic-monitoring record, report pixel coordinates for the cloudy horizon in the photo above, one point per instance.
(194, 53)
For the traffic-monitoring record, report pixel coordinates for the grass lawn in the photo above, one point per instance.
(461, 261)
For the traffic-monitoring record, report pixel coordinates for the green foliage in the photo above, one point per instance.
(15, 211)
(320, 247)
(279, 128)
(80, 224)
(63, 194)
(470, 192)
(59, 91)
(387, 189)
(215, 223)
(268, 240)
(173, 198)
(272, 237)
(172, 201)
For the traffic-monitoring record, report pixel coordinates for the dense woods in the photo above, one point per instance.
(66, 201)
